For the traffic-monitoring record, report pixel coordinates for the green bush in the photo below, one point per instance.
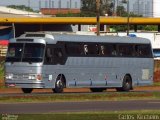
(1, 70)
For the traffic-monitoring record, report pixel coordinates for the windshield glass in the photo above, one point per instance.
(25, 52)
(156, 52)
(14, 53)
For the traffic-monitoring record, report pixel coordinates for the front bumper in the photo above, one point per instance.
(24, 84)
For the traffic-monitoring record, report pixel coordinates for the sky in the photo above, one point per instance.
(35, 4)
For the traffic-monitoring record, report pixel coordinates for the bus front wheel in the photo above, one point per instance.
(27, 90)
(59, 85)
(127, 84)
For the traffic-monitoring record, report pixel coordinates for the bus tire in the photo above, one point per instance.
(97, 89)
(59, 85)
(127, 84)
(27, 90)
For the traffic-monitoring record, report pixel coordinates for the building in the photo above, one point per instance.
(146, 8)
(143, 7)
(54, 11)
(53, 7)
(75, 4)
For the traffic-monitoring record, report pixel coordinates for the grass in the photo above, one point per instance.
(156, 84)
(108, 96)
(1, 71)
(132, 115)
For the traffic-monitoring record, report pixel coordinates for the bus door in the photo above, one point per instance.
(54, 60)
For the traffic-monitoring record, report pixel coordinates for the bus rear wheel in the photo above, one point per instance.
(27, 90)
(97, 89)
(59, 85)
(127, 84)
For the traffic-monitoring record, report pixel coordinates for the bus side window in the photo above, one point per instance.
(58, 55)
(97, 50)
(102, 50)
(126, 50)
(74, 49)
(48, 55)
(105, 50)
(114, 52)
(85, 49)
(91, 49)
(143, 50)
(138, 51)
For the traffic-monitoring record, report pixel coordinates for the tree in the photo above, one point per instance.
(124, 1)
(120, 11)
(107, 7)
(88, 7)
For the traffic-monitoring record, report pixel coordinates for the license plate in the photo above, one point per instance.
(11, 85)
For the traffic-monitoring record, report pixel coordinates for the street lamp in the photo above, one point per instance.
(98, 16)
(128, 15)
(28, 3)
(70, 4)
(28, 6)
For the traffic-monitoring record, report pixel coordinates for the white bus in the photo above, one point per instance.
(58, 61)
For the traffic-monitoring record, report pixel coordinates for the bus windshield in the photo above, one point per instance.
(25, 52)
(156, 52)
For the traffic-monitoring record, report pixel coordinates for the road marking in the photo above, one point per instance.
(154, 102)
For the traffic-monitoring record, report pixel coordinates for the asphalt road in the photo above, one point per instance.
(35, 108)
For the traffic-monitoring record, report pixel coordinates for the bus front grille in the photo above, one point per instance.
(20, 76)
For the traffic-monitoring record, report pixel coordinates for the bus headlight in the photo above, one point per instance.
(35, 77)
(9, 76)
(32, 77)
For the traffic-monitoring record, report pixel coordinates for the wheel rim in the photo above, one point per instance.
(127, 85)
(59, 84)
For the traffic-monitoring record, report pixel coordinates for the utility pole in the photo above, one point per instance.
(39, 4)
(46, 4)
(28, 6)
(59, 4)
(52, 4)
(49, 3)
(114, 7)
(117, 3)
(128, 15)
(70, 4)
(98, 16)
(138, 7)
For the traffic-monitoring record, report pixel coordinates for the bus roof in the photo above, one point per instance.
(107, 39)
(54, 38)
